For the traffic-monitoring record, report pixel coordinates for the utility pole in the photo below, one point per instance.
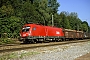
(52, 21)
(77, 27)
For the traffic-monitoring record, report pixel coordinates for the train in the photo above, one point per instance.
(33, 33)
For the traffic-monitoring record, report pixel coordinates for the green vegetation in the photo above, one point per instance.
(8, 56)
(27, 54)
(6, 41)
(16, 55)
(15, 13)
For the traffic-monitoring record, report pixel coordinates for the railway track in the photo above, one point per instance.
(17, 47)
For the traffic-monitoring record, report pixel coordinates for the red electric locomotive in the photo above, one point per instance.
(34, 32)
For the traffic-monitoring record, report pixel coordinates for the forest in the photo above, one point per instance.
(15, 13)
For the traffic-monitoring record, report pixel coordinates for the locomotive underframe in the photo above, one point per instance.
(34, 39)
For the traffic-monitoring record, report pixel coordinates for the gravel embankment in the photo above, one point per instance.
(60, 52)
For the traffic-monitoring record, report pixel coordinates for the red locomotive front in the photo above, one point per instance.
(31, 32)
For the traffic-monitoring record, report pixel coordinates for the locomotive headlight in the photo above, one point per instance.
(24, 34)
(29, 34)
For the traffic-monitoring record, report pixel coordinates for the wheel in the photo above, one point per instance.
(58, 40)
(63, 39)
(46, 41)
(26, 41)
(34, 41)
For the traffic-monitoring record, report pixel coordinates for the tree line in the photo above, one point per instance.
(15, 13)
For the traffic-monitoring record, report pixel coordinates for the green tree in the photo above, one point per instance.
(64, 21)
(89, 29)
(74, 21)
(53, 4)
(44, 10)
(85, 26)
(14, 26)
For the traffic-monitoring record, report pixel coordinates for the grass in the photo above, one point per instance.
(8, 56)
(16, 55)
(27, 54)
(6, 41)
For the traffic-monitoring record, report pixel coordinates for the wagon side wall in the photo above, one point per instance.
(70, 34)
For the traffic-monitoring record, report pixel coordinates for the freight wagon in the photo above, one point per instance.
(73, 34)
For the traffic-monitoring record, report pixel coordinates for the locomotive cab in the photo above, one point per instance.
(31, 32)
(25, 31)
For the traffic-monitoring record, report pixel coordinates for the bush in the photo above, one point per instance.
(6, 41)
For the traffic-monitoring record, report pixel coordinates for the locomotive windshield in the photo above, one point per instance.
(26, 29)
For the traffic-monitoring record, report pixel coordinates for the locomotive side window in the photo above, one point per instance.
(34, 28)
(26, 29)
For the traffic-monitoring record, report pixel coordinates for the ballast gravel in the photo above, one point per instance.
(60, 52)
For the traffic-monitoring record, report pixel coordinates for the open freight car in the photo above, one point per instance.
(73, 34)
(79, 35)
